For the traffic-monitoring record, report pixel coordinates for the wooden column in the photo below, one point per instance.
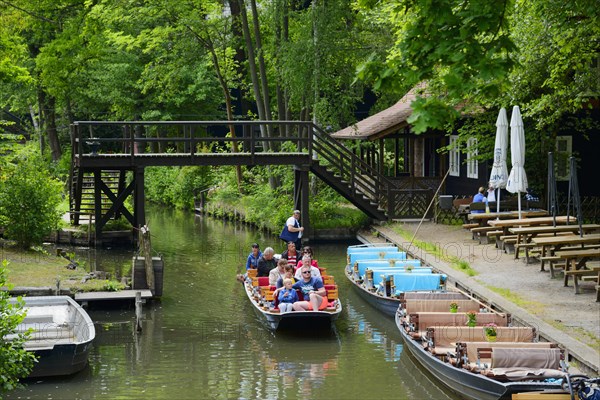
(139, 210)
(301, 193)
(98, 206)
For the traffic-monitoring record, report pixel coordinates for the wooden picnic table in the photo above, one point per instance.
(505, 224)
(527, 233)
(555, 243)
(576, 261)
(483, 218)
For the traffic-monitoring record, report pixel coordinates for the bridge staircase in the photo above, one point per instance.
(83, 196)
(355, 180)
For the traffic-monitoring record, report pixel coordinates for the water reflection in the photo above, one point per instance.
(204, 340)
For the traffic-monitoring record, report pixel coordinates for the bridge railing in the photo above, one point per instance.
(194, 138)
(187, 137)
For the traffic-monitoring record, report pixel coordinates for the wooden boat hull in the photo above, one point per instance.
(465, 383)
(62, 335)
(386, 305)
(308, 319)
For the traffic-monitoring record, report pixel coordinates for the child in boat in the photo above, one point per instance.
(289, 273)
(287, 296)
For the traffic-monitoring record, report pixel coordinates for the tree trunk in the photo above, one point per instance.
(48, 105)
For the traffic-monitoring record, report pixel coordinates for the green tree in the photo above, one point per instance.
(29, 199)
(15, 361)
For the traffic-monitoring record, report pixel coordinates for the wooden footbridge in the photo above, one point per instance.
(104, 152)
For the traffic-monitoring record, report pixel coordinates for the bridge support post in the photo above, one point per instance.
(98, 207)
(301, 192)
(139, 210)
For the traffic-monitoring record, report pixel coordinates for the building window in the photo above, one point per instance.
(454, 156)
(472, 163)
(564, 150)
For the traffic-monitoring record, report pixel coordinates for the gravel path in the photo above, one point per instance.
(561, 315)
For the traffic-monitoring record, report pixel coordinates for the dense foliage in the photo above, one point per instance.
(15, 362)
(29, 199)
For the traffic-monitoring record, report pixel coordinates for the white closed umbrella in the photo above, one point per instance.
(499, 175)
(517, 179)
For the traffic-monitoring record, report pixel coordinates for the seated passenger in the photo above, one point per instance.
(289, 273)
(313, 291)
(266, 263)
(313, 262)
(277, 273)
(291, 254)
(287, 296)
(307, 250)
(252, 261)
(307, 262)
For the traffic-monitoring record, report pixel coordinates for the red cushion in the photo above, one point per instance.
(263, 281)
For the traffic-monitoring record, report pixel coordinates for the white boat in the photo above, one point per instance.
(61, 334)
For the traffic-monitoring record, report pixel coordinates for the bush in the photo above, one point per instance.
(29, 200)
(15, 361)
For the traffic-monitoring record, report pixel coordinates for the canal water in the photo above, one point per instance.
(202, 340)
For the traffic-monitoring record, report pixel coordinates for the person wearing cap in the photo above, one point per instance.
(252, 261)
(292, 231)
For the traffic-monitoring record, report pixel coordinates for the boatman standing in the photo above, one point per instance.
(292, 231)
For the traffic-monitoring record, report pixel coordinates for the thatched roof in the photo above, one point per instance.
(383, 123)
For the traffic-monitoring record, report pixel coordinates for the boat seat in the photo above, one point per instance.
(263, 281)
(469, 357)
(516, 364)
(419, 322)
(442, 305)
(441, 340)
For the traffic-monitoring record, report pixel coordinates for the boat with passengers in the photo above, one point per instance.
(381, 273)
(261, 295)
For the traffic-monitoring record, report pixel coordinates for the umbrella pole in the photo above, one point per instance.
(519, 205)
(498, 204)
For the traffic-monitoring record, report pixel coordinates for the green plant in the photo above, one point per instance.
(471, 318)
(490, 329)
(29, 199)
(15, 361)
(453, 307)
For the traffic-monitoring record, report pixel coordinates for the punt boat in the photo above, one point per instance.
(381, 274)
(260, 294)
(487, 359)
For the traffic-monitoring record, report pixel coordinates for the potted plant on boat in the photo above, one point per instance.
(409, 268)
(453, 307)
(471, 318)
(490, 332)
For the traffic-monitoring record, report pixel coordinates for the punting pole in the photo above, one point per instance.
(430, 204)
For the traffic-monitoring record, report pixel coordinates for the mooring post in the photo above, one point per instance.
(138, 311)
(147, 253)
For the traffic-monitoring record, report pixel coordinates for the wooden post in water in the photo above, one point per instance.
(147, 253)
(138, 311)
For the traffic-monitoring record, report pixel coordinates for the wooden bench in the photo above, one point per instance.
(470, 226)
(470, 357)
(477, 232)
(418, 322)
(506, 243)
(441, 340)
(582, 274)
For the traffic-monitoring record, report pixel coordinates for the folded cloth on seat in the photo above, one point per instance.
(518, 374)
(526, 358)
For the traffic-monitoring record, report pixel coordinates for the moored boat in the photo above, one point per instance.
(488, 359)
(61, 334)
(382, 274)
(260, 294)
